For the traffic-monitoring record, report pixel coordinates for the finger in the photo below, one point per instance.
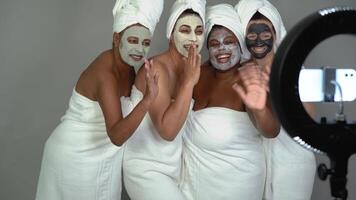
(266, 87)
(198, 61)
(185, 59)
(251, 82)
(156, 77)
(150, 64)
(147, 65)
(267, 69)
(194, 54)
(248, 64)
(250, 75)
(148, 76)
(265, 76)
(151, 68)
(190, 53)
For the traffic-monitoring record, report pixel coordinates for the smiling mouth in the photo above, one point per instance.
(259, 49)
(223, 58)
(136, 57)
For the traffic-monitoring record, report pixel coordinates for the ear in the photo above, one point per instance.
(116, 39)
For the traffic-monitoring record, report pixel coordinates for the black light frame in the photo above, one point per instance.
(337, 140)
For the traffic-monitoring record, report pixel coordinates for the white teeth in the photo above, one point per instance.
(223, 56)
(136, 57)
(259, 49)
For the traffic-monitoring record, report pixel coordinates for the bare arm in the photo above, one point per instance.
(120, 129)
(265, 121)
(169, 116)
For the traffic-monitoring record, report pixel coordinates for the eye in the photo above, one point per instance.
(132, 40)
(266, 35)
(251, 36)
(213, 43)
(199, 31)
(185, 29)
(146, 43)
(229, 40)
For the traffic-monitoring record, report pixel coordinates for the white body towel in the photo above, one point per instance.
(79, 160)
(223, 156)
(293, 169)
(151, 165)
(290, 167)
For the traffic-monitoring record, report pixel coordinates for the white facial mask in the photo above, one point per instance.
(223, 56)
(134, 46)
(183, 40)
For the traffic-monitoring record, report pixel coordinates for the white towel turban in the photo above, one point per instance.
(226, 16)
(179, 7)
(144, 12)
(247, 8)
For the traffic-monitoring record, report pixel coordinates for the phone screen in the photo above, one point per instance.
(311, 85)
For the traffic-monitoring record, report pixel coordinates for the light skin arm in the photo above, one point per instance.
(120, 129)
(253, 90)
(169, 116)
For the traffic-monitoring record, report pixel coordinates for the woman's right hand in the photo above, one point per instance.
(191, 71)
(151, 83)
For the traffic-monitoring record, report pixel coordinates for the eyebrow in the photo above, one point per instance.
(188, 26)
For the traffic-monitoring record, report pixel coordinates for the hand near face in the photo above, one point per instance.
(192, 64)
(253, 86)
(151, 82)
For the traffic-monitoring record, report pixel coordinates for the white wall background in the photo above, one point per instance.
(45, 44)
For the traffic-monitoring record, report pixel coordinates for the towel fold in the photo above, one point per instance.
(225, 15)
(129, 12)
(222, 151)
(247, 8)
(79, 160)
(151, 165)
(179, 7)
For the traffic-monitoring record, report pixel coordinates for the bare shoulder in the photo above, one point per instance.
(98, 72)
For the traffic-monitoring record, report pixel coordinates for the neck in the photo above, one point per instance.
(226, 74)
(265, 61)
(176, 57)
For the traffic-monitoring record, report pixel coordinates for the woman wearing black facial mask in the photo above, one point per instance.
(259, 39)
(291, 168)
(223, 137)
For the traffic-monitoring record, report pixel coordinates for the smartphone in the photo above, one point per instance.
(315, 84)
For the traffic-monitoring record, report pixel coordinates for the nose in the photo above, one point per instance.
(140, 48)
(222, 47)
(193, 36)
(259, 41)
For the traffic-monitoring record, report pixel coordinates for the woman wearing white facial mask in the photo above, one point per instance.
(152, 158)
(82, 158)
(222, 144)
(291, 168)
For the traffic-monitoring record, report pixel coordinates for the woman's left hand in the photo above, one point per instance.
(253, 86)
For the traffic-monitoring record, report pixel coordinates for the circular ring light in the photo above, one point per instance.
(336, 140)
